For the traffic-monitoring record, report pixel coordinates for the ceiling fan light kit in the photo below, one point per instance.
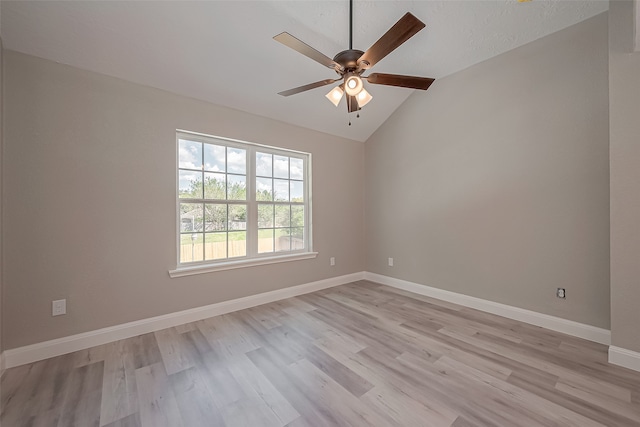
(352, 63)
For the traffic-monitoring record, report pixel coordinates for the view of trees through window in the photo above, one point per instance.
(219, 219)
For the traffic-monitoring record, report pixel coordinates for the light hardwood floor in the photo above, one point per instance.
(361, 354)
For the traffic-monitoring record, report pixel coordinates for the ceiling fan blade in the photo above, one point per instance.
(412, 82)
(307, 87)
(300, 46)
(352, 104)
(402, 31)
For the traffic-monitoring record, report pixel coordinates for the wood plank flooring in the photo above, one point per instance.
(361, 354)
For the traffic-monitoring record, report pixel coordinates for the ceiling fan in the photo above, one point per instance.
(352, 63)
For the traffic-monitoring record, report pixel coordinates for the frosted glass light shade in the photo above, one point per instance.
(353, 85)
(363, 98)
(335, 95)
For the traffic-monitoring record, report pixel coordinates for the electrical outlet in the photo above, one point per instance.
(59, 307)
(561, 293)
(332, 261)
(390, 262)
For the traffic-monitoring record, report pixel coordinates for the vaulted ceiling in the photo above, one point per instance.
(223, 51)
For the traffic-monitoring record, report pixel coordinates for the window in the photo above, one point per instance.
(239, 202)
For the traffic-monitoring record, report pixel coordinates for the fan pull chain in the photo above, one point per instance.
(357, 117)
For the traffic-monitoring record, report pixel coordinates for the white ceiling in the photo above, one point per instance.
(223, 52)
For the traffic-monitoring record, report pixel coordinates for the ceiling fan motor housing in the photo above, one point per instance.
(348, 59)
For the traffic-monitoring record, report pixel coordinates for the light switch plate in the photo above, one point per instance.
(59, 307)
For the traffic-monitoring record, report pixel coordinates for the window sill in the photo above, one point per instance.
(230, 265)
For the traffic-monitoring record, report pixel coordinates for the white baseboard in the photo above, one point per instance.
(44, 350)
(625, 358)
(569, 327)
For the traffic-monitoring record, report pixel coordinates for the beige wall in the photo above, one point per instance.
(495, 182)
(90, 201)
(624, 96)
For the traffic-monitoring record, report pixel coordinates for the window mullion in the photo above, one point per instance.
(308, 242)
(252, 205)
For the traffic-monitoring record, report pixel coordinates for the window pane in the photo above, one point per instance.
(283, 216)
(281, 190)
(236, 160)
(297, 216)
(237, 243)
(283, 240)
(214, 158)
(264, 189)
(237, 217)
(297, 168)
(215, 217)
(265, 216)
(237, 187)
(297, 191)
(189, 154)
(190, 217)
(214, 186)
(281, 167)
(190, 185)
(191, 248)
(263, 164)
(265, 240)
(297, 238)
(215, 246)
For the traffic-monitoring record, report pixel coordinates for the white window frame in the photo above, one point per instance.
(252, 258)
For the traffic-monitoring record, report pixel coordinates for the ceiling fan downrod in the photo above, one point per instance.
(350, 24)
